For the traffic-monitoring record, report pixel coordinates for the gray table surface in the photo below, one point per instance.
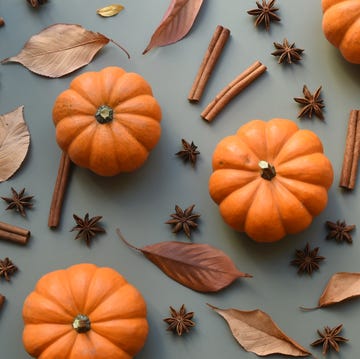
(140, 203)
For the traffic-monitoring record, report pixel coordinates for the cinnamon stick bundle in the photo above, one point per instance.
(232, 89)
(352, 152)
(211, 56)
(59, 191)
(14, 234)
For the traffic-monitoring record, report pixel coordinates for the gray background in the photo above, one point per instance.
(140, 203)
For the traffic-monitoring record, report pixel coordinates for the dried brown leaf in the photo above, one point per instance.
(14, 142)
(341, 286)
(110, 10)
(256, 332)
(197, 266)
(176, 23)
(59, 50)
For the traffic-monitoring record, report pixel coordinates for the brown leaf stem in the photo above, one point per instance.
(309, 309)
(59, 191)
(121, 47)
(352, 152)
(232, 89)
(14, 234)
(212, 54)
(118, 232)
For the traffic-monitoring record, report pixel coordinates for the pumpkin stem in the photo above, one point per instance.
(104, 114)
(267, 170)
(81, 323)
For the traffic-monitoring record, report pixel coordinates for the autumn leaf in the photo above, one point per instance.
(256, 332)
(110, 10)
(14, 142)
(197, 266)
(341, 286)
(60, 49)
(176, 23)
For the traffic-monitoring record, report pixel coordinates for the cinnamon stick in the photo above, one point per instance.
(59, 191)
(2, 21)
(211, 56)
(2, 300)
(232, 89)
(13, 233)
(352, 152)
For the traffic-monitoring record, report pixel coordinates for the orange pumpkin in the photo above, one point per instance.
(270, 179)
(84, 312)
(341, 26)
(107, 121)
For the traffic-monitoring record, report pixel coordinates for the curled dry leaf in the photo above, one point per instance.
(256, 332)
(60, 49)
(197, 266)
(176, 23)
(110, 10)
(14, 142)
(341, 286)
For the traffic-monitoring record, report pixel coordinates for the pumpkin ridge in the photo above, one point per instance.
(59, 285)
(131, 131)
(255, 202)
(99, 300)
(280, 139)
(142, 88)
(278, 183)
(69, 337)
(37, 347)
(241, 135)
(72, 285)
(108, 340)
(65, 123)
(300, 184)
(131, 136)
(123, 106)
(69, 311)
(84, 160)
(79, 84)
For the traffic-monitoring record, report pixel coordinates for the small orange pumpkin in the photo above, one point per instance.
(270, 179)
(341, 26)
(107, 121)
(84, 312)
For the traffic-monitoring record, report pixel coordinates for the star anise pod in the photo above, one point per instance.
(340, 231)
(312, 103)
(265, 13)
(189, 152)
(330, 338)
(183, 220)
(7, 268)
(36, 3)
(87, 227)
(287, 52)
(18, 202)
(180, 321)
(307, 259)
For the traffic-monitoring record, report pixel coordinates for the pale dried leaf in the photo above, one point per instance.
(14, 142)
(59, 50)
(110, 10)
(176, 23)
(256, 332)
(197, 266)
(341, 286)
